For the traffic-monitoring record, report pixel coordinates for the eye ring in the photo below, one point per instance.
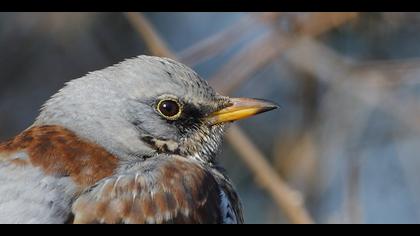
(169, 108)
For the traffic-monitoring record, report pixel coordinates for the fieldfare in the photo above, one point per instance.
(133, 143)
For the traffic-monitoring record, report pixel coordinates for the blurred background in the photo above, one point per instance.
(344, 147)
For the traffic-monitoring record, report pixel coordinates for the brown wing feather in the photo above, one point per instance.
(177, 191)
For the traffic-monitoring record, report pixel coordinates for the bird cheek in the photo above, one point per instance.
(156, 127)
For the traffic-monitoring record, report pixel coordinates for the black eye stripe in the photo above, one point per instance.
(191, 111)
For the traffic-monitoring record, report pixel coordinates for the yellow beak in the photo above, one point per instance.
(241, 108)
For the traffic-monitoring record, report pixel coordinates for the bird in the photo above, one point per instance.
(134, 143)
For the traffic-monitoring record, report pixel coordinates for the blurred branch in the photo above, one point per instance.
(289, 200)
(390, 65)
(317, 23)
(288, 203)
(268, 47)
(396, 70)
(145, 29)
(216, 43)
(245, 63)
(353, 205)
(331, 68)
(366, 84)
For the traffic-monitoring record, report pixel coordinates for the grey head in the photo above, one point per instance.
(145, 106)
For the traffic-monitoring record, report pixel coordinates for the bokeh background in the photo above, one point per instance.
(344, 147)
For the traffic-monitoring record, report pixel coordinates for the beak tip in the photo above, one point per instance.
(269, 107)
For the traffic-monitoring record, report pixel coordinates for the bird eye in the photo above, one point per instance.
(170, 109)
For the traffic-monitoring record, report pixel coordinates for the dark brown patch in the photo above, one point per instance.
(170, 201)
(165, 148)
(59, 151)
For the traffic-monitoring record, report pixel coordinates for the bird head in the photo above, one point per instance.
(146, 106)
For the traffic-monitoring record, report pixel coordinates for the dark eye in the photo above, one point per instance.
(170, 109)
